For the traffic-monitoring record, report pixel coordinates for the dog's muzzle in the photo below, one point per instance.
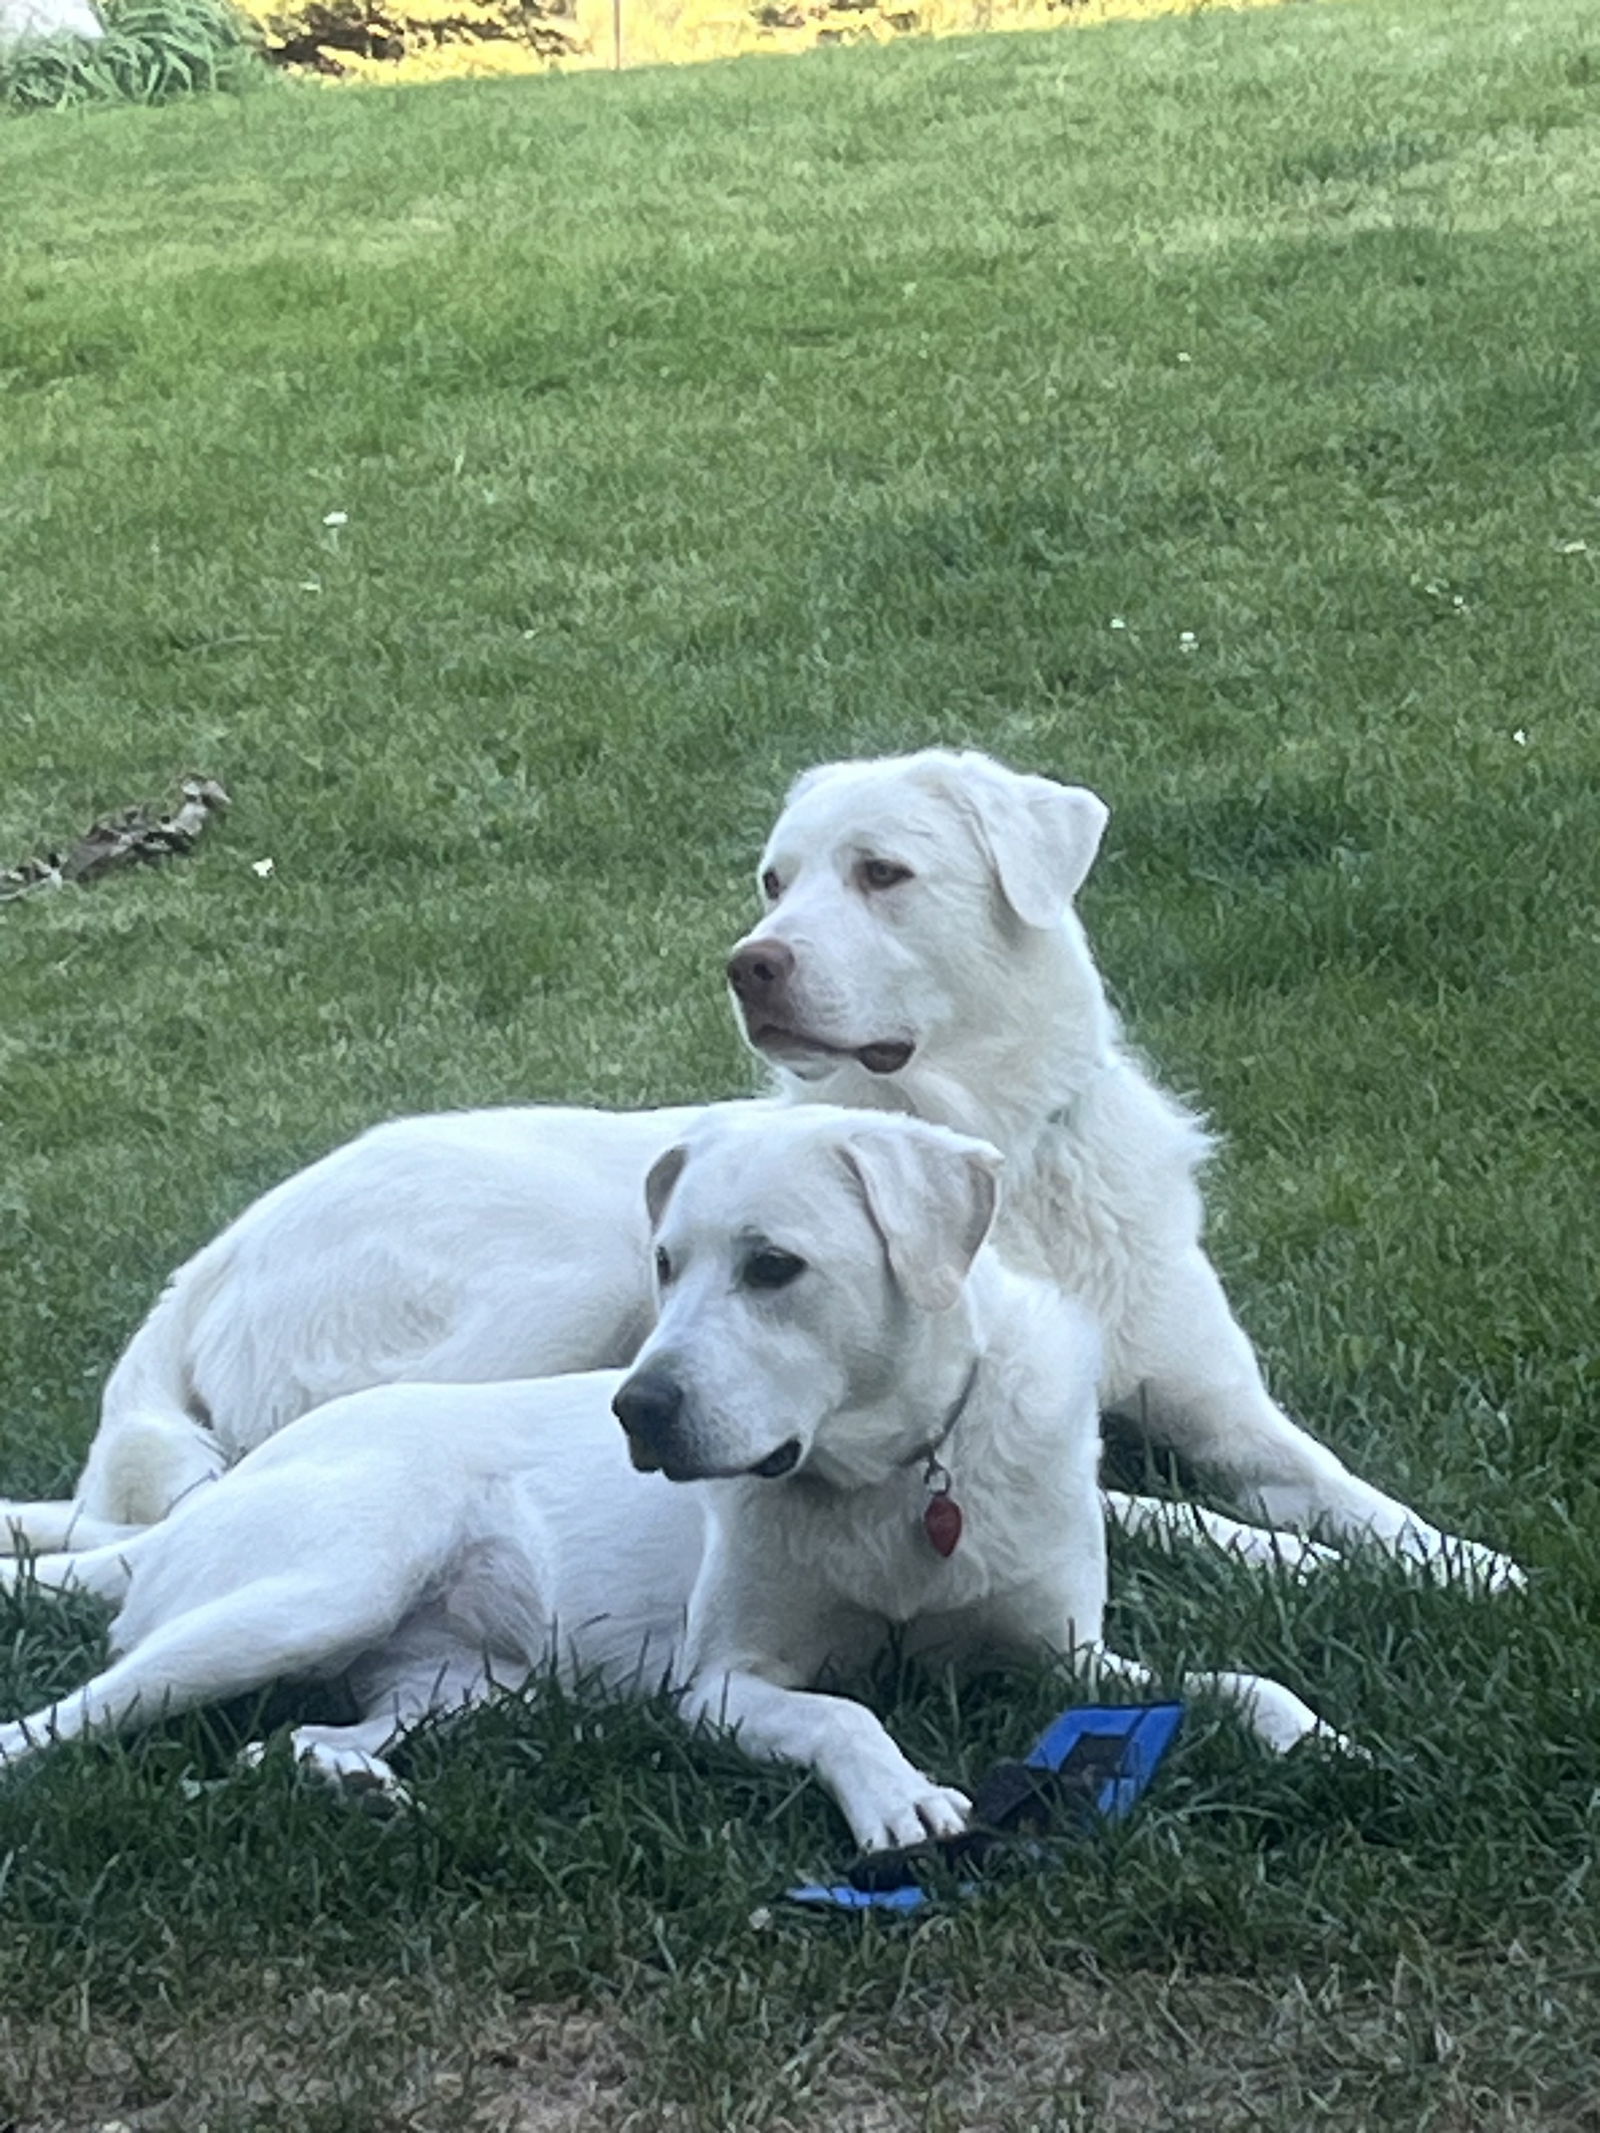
(760, 974)
(649, 1406)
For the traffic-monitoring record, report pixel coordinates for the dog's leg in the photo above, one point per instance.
(273, 1627)
(55, 1528)
(415, 1677)
(1172, 1524)
(1273, 1713)
(139, 1467)
(1202, 1392)
(104, 1571)
(886, 1800)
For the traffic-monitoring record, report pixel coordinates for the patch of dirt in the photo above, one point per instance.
(394, 2058)
(1140, 2054)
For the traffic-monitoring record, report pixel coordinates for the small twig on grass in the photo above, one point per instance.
(136, 835)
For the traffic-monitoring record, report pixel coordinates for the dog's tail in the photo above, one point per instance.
(153, 1444)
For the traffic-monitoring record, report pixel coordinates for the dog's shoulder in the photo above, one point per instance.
(1042, 1349)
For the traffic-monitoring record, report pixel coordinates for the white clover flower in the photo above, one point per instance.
(336, 518)
(263, 869)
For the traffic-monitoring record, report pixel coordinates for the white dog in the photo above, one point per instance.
(832, 1341)
(919, 953)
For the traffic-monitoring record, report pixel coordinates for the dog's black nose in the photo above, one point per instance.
(759, 971)
(648, 1406)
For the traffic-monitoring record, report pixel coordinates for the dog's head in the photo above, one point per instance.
(801, 1253)
(907, 901)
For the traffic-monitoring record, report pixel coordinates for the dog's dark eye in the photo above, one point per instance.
(881, 873)
(663, 1266)
(771, 886)
(771, 1269)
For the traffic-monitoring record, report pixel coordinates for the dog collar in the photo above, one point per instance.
(941, 1514)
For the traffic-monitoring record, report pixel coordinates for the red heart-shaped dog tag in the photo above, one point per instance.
(941, 1521)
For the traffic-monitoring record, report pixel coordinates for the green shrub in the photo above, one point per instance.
(152, 50)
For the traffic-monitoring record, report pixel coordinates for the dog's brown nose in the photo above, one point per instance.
(759, 971)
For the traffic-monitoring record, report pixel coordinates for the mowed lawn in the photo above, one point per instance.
(505, 489)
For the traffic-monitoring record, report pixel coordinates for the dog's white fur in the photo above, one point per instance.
(932, 964)
(433, 1541)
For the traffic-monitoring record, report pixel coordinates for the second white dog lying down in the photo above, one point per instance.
(919, 952)
(831, 1335)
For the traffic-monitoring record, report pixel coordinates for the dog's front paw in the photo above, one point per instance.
(895, 1819)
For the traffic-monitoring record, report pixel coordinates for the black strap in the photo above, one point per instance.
(1012, 1800)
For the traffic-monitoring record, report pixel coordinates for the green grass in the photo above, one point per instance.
(691, 427)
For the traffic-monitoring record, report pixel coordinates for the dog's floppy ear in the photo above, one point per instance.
(931, 1196)
(1041, 838)
(665, 1172)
